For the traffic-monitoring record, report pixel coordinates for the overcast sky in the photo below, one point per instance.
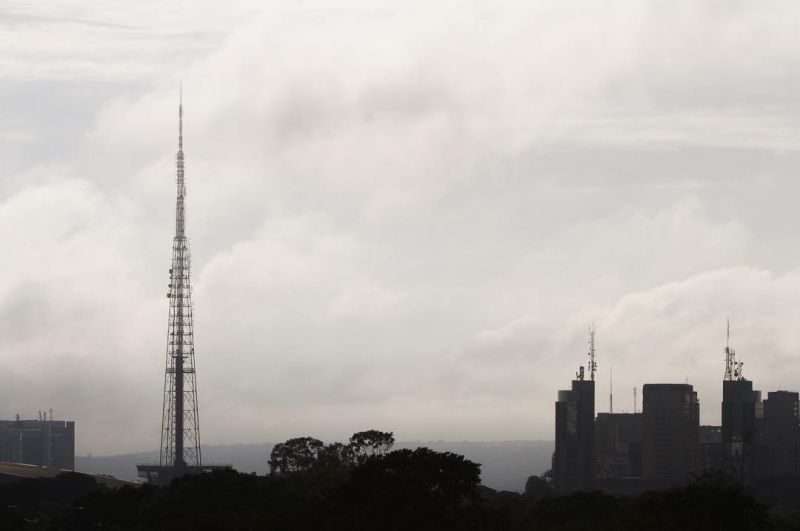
(403, 215)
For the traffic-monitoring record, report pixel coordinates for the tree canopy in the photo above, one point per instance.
(304, 454)
(295, 455)
(317, 486)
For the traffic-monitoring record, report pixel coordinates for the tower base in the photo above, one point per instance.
(162, 475)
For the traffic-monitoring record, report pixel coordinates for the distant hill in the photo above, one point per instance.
(505, 465)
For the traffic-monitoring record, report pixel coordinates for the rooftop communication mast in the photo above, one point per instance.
(733, 368)
(592, 362)
(592, 367)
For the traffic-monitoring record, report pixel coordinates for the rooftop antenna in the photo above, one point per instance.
(611, 390)
(634, 400)
(739, 369)
(592, 364)
(731, 372)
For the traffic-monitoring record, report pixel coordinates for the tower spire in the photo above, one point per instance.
(610, 390)
(592, 362)
(180, 119)
(733, 369)
(180, 436)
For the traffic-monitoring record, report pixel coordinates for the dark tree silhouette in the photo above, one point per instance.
(579, 511)
(713, 500)
(306, 453)
(335, 457)
(537, 487)
(413, 489)
(419, 490)
(295, 455)
(366, 444)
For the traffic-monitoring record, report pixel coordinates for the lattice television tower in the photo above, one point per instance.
(180, 429)
(180, 425)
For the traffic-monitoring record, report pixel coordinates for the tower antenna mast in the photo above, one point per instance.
(610, 390)
(180, 431)
(180, 425)
(733, 368)
(592, 363)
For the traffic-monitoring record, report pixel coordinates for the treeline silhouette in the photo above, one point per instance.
(364, 485)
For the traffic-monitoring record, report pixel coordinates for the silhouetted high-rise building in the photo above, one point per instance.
(781, 434)
(38, 442)
(619, 445)
(574, 456)
(670, 422)
(741, 407)
(710, 447)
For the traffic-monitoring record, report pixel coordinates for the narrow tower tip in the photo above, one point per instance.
(180, 117)
(592, 362)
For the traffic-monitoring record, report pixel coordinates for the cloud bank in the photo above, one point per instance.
(401, 217)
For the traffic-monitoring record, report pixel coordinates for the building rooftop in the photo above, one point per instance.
(11, 471)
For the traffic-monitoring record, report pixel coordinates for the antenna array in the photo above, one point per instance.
(733, 368)
(592, 362)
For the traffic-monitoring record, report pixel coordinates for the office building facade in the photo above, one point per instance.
(670, 438)
(574, 456)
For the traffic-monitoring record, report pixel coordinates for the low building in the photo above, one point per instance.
(48, 443)
(711, 456)
(13, 472)
(619, 445)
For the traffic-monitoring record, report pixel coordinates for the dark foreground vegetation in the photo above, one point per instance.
(362, 485)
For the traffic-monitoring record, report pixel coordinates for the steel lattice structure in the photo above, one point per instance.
(180, 427)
